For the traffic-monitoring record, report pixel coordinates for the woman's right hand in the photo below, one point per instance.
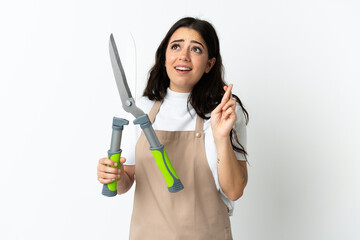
(107, 174)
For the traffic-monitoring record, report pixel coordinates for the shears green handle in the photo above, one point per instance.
(162, 159)
(114, 153)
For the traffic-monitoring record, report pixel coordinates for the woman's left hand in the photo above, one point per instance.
(223, 116)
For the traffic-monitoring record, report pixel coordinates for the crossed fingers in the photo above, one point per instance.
(228, 102)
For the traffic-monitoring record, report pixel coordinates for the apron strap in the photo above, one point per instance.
(154, 111)
(199, 124)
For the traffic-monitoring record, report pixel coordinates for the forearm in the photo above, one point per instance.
(232, 175)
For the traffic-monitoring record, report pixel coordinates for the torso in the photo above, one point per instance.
(196, 212)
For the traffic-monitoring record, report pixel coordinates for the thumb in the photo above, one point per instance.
(122, 160)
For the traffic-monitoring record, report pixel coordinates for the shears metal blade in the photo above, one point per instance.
(125, 94)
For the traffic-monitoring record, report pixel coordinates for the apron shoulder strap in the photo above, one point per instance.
(199, 124)
(154, 111)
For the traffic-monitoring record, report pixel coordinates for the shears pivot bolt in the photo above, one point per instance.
(128, 103)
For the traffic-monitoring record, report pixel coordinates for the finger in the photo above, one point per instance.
(229, 113)
(218, 108)
(106, 161)
(105, 175)
(230, 104)
(107, 169)
(122, 160)
(107, 165)
(226, 97)
(227, 94)
(105, 181)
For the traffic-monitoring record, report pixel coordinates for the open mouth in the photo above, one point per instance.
(184, 69)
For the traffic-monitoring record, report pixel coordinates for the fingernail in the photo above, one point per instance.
(115, 164)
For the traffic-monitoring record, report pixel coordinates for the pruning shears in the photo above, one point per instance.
(128, 103)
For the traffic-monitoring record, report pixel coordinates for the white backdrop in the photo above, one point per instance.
(295, 65)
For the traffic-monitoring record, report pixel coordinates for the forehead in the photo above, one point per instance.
(187, 34)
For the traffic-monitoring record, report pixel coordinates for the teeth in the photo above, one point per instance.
(183, 68)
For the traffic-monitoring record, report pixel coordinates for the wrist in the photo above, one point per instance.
(123, 183)
(222, 141)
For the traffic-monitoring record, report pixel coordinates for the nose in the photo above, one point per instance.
(184, 55)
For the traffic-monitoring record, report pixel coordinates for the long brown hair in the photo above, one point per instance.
(208, 92)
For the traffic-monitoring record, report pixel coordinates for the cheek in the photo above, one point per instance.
(203, 64)
(167, 60)
(169, 57)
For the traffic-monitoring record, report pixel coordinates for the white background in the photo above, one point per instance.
(295, 65)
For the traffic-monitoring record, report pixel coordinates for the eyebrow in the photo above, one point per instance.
(182, 40)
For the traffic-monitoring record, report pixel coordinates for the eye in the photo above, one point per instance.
(175, 47)
(197, 49)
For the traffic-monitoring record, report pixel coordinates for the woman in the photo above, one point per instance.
(202, 126)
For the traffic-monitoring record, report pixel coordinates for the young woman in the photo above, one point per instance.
(203, 128)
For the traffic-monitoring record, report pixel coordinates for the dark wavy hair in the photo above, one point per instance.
(208, 92)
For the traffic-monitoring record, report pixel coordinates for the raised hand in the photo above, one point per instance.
(223, 116)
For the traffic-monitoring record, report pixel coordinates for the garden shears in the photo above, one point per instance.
(128, 103)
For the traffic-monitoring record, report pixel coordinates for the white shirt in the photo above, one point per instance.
(175, 115)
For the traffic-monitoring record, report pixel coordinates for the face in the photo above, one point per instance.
(186, 59)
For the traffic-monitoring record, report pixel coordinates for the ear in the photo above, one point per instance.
(210, 64)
